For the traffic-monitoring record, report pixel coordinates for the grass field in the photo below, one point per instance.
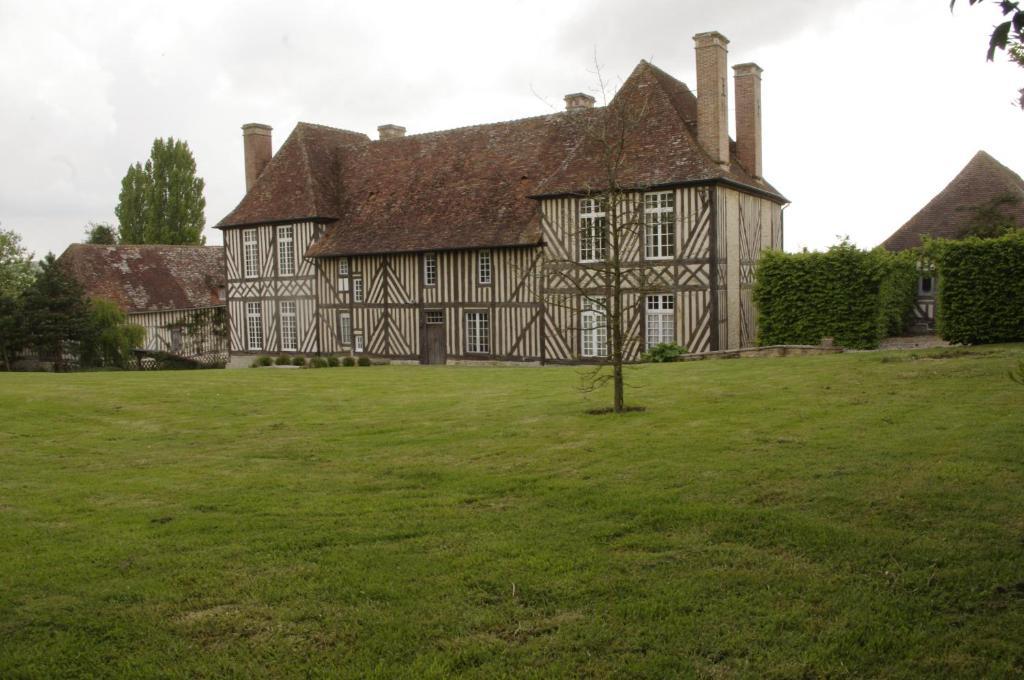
(854, 515)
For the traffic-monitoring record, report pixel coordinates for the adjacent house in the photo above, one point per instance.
(177, 293)
(438, 247)
(983, 194)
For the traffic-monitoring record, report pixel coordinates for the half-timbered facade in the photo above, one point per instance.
(176, 293)
(479, 243)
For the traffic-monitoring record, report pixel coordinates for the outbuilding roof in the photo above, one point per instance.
(983, 182)
(149, 278)
(477, 186)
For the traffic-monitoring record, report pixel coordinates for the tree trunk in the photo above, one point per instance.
(619, 399)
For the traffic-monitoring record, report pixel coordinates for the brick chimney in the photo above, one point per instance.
(258, 150)
(390, 131)
(713, 95)
(748, 117)
(578, 101)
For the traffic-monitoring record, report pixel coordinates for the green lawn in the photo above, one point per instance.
(854, 515)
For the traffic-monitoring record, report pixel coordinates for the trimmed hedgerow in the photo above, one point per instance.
(981, 289)
(363, 361)
(855, 296)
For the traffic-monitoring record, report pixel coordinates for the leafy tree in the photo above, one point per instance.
(56, 313)
(109, 339)
(100, 233)
(162, 202)
(1007, 35)
(16, 271)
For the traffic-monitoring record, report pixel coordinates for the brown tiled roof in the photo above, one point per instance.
(982, 182)
(148, 278)
(475, 186)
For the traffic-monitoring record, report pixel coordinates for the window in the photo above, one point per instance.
(593, 241)
(478, 332)
(659, 225)
(433, 316)
(343, 275)
(483, 267)
(286, 250)
(359, 342)
(250, 253)
(345, 328)
(429, 269)
(593, 327)
(357, 289)
(926, 286)
(254, 325)
(660, 319)
(289, 327)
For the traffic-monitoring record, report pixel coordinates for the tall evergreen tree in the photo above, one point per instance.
(162, 202)
(56, 313)
(131, 206)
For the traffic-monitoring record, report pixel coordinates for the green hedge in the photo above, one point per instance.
(981, 289)
(855, 296)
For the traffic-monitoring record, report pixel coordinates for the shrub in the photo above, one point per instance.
(363, 361)
(109, 339)
(283, 360)
(332, 361)
(348, 361)
(317, 362)
(663, 352)
(262, 361)
(298, 361)
(855, 296)
(981, 288)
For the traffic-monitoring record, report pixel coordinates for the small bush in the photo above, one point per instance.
(317, 362)
(299, 361)
(662, 353)
(262, 361)
(332, 361)
(364, 361)
(348, 361)
(283, 360)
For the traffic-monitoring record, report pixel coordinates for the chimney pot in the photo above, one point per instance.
(390, 131)
(713, 95)
(258, 149)
(578, 101)
(747, 79)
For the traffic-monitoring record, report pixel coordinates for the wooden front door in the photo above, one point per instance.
(433, 350)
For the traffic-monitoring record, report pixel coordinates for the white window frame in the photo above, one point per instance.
(289, 312)
(357, 289)
(254, 326)
(593, 227)
(478, 331)
(593, 327)
(343, 275)
(345, 328)
(659, 225)
(358, 344)
(484, 267)
(250, 254)
(429, 269)
(286, 250)
(661, 319)
(433, 317)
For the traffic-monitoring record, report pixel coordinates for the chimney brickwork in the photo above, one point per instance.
(748, 117)
(258, 150)
(713, 95)
(390, 131)
(578, 101)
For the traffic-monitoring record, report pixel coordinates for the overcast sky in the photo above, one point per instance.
(870, 107)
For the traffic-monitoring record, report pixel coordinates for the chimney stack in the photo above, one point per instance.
(258, 150)
(713, 95)
(748, 117)
(390, 131)
(578, 101)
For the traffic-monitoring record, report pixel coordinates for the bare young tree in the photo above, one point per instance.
(606, 272)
